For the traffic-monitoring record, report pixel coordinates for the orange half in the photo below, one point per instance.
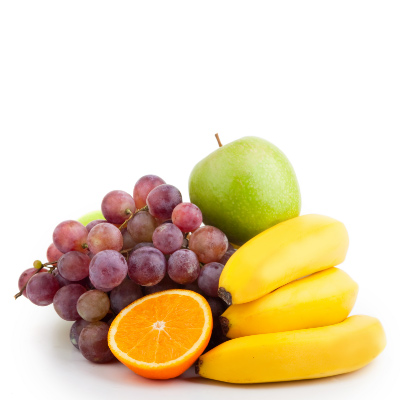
(161, 335)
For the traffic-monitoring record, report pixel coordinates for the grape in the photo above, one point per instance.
(183, 266)
(104, 237)
(93, 343)
(117, 206)
(209, 244)
(147, 266)
(124, 294)
(166, 284)
(209, 278)
(194, 287)
(167, 238)
(142, 226)
(62, 281)
(93, 305)
(74, 266)
(41, 289)
(65, 301)
(76, 330)
(162, 200)
(187, 217)
(25, 276)
(53, 254)
(107, 270)
(217, 306)
(144, 244)
(70, 235)
(143, 187)
(226, 256)
(92, 224)
(128, 242)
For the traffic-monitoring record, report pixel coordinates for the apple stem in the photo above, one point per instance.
(51, 269)
(219, 141)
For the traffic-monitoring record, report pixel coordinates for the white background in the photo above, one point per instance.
(93, 95)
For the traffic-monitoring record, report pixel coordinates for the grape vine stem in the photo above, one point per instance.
(131, 215)
(51, 269)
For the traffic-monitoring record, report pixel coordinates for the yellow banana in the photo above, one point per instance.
(323, 298)
(290, 250)
(303, 354)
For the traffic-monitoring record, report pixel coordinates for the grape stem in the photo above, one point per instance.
(131, 215)
(51, 269)
(219, 141)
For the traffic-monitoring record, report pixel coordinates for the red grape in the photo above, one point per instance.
(92, 224)
(25, 276)
(104, 237)
(93, 305)
(124, 294)
(70, 235)
(73, 266)
(143, 187)
(65, 301)
(162, 200)
(117, 206)
(166, 284)
(107, 270)
(41, 289)
(147, 266)
(142, 226)
(76, 330)
(144, 244)
(128, 242)
(53, 254)
(209, 244)
(209, 278)
(229, 253)
(167, 238)
(187, 217)
(183, 266)
(93, 343)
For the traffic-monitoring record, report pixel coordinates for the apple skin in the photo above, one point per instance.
(244, 188)
(89, 217)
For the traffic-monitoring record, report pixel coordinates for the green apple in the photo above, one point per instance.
(245, 187)
(89, 217)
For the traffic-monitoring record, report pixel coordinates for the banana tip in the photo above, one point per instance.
(225, 296)
(224, 324)
(197, 366)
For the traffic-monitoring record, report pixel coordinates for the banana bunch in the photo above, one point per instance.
(289, 306)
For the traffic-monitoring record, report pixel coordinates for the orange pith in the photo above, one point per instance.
(161, 335)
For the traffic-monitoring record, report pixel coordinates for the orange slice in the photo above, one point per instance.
(161, 335)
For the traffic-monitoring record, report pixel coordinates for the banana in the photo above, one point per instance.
(323, 298)
(303, 354)
(290, 250)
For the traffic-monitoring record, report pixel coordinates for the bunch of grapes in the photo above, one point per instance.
(148, 242)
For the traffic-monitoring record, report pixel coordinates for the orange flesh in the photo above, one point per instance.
(160, 329)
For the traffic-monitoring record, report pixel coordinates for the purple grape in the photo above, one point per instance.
(124, 294)
(107, 270)
(209, 244)
(74, 266)
(117, 206)
(25, 276)
(143, 187)
(142, 226)
(187, 217)
(147, 266)
(69, 236)
(41, 289)
(105, 237)
(162, 200)
(93, 343)
(217, 306)
(128, 242)
(76, 330)
(166, 284)
(65, 301)
(53, 254)
(144, 244)
(62, 281)
(183, 266)
(92, 224)
(209, 278)
(226, 256)
(167, 238)
(93, 305)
